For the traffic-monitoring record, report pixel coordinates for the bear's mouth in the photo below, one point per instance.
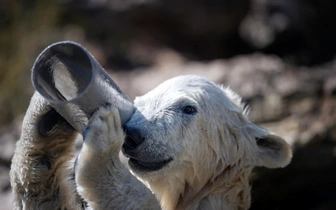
(147, 166)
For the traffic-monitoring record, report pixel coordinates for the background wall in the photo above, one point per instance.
(278, 54)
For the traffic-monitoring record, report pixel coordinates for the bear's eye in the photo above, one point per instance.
(189, 110)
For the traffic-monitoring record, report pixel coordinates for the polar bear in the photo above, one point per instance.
(189, 146)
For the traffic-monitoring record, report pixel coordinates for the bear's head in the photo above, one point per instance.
(192, 129)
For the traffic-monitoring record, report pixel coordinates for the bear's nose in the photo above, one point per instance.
(134, 137)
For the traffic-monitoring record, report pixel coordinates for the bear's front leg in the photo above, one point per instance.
(40, 176)
(102, 180)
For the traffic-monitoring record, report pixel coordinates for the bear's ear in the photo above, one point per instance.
(272, 150)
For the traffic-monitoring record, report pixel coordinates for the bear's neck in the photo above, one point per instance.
(219, 193)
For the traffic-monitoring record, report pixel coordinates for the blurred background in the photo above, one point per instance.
(279, 55)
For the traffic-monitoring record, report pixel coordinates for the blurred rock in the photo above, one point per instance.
(8, 137)
(6, 196)
(198, 29)
(300, 31)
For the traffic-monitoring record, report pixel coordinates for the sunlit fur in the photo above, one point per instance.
(213, 151)
(40, 173)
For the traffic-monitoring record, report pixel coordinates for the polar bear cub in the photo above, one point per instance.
(189, 143)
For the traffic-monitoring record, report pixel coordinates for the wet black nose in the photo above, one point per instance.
(134, 137)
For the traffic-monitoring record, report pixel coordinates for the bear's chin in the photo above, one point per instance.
(141, 166)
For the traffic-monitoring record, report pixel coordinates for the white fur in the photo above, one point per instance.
(213, 150)
(212, 153)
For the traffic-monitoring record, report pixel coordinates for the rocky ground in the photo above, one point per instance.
(277, 54)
